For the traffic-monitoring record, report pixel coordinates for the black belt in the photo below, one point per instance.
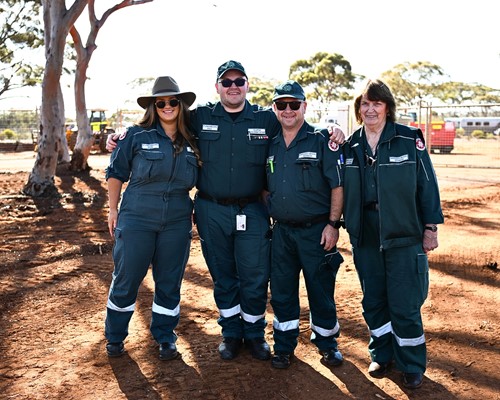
(373, 206)
(305, 224)
(242, 202)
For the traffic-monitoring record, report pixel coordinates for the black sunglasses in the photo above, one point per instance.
(294, 105)
(163, 103)
(228, 82)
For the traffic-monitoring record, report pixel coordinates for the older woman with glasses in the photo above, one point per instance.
(159, 159)
(391, 208)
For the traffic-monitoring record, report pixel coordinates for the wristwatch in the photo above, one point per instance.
(336, 224)
(432, 228)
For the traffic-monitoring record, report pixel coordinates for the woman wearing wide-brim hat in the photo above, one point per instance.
(159, 159)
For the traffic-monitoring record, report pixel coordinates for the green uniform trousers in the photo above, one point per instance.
(395, 284)
(294, 250)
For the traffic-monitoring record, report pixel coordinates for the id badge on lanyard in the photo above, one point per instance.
(241, 222)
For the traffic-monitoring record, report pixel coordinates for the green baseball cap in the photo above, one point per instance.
(228, 65)
(289, 89)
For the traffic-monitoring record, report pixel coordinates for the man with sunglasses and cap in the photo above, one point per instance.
(159, 159)
(232, 222)
(305, 202)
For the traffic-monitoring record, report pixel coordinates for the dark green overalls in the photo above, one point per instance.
(232, 223)
(388, 197)
(301, 178)
(154, 228)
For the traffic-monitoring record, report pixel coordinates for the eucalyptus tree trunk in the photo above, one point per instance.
(57, 21)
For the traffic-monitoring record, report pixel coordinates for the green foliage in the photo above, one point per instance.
(22, 122)
(8, 134)
(261, 91)
(325, 78)
(459, 132)
(20, 30)
(477, 134)
(413, 82)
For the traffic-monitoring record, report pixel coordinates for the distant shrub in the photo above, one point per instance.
(478, 134)
(8, 134)
(459, 132)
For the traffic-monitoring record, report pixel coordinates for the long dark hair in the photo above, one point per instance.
(150, 118)
(376, 90)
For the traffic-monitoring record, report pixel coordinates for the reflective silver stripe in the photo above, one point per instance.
(166, 311)
(285, 326)
(230, 312)
(387, 328)
(411, 342)
(112, 306)
(251, 318)
(325, 332)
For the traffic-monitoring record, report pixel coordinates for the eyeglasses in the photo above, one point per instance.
(229, 82)
(163, 103)
(294, 105)
(370, 160)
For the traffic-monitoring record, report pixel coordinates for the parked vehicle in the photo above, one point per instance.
(441, 137)
(100, 130)
(471, 124)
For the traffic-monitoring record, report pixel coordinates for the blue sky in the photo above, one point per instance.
(189, 39)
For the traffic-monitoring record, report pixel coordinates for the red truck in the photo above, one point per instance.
(441, 135)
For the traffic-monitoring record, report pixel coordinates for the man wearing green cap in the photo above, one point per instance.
(305, 202)
(233, 224)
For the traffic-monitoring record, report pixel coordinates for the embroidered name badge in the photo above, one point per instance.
(333, 146)
(149, 146)
(212, 128)
(256, 134)
(419, 144)
(399, 159)
(308, 155)
(349, 161)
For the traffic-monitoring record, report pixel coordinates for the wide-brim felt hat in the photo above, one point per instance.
(166, 86)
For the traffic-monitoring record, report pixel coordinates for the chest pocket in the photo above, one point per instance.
(256, 149)
(309, 174)
(191, 174)
(207, 140)
(149, 164)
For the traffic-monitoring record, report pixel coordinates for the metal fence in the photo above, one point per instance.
(476, 142)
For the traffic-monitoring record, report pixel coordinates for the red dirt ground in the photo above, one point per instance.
(55, 270)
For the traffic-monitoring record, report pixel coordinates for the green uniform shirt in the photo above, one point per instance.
(233, 152)
(301, 177)
(407, 188)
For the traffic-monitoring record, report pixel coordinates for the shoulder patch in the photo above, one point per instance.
(420, 144)
(332, 145)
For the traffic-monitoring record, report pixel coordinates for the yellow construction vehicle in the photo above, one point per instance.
(100, 130)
